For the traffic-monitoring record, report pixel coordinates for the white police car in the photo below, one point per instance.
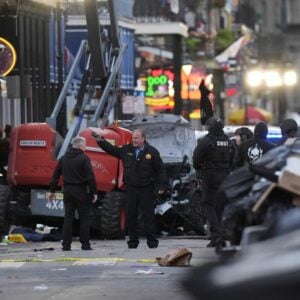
(274, 132)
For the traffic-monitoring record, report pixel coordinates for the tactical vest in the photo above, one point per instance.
(220, 153)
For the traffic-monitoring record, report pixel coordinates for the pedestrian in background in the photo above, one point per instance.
(242, 134)
(205, 104)
(213, 157)
(143, 172)
(289, 129)
(253, 149)
(79, 189)
(4, 151)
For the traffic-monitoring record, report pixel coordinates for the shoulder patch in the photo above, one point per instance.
(148, 156)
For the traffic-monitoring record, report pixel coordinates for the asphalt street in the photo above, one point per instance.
(111, 271)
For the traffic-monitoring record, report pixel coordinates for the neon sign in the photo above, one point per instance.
(153, 82)
(8, 57)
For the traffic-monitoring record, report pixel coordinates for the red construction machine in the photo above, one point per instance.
(36, 147)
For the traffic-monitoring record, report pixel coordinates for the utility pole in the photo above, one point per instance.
(210, 51)
(61, 126)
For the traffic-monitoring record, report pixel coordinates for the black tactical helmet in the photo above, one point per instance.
(214, 124)
(288, 126)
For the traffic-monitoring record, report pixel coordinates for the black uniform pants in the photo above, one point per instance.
(140, 198)
(75, 198)
(212, 179)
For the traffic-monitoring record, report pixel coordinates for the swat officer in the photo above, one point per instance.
(213, 157)
(143, 168)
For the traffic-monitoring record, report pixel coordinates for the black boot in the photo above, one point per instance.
(66, 247)
(211, 244)
(86, 247)
(152, 243)
(133, 244)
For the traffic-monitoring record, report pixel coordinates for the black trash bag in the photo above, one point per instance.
(237, 215)
(238, 183)
(234, 219)
(274, 160)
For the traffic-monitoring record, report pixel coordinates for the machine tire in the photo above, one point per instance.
(4, 223)
(113, 216)
(20, 213)
(196, 216)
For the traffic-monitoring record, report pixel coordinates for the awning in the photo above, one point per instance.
(254, 115)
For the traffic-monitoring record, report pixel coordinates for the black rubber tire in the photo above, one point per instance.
(20, 213)
(196, 215)
(113, 216)
(95, 221)
(4, 223)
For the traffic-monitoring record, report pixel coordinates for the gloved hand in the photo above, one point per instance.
(199, 174)
(96, 136)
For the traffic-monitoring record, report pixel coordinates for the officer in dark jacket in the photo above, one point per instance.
(253, 149)
(79, 188)
(143, 168)
(4, 151)
(289, 129)
(213, 157)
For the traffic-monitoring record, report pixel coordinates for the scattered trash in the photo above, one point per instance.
(32, 236)
(17, 238)
(4, 241)
(60, 269)
(149, 272)
(43, 249)
(178, 257)
(41, 287)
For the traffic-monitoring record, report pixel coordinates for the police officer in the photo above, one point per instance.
(143, 168)
(253, 149)
(213, 157)
(79, 188)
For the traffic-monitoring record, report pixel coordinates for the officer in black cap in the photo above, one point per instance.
(289, 129)
(213, 157)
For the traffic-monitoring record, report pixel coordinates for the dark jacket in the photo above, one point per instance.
(205, 104)
(142, 171)
(4, 152)
(76, 169)
(214, 151)
(253, 149)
